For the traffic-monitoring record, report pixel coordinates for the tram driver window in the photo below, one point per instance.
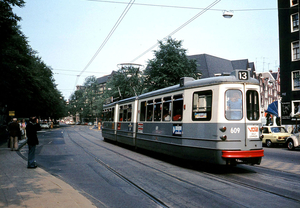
(177, 107)
(233, 99)
(202, 102)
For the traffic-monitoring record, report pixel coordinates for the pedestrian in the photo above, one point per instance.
(32, 140)
(23, 126)
(14, 132)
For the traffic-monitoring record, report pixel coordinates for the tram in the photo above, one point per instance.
(215, 120)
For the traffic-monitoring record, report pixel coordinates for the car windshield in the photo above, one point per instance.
(278, 130)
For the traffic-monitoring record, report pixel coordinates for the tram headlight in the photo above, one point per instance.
(224, 137)
(222, 129)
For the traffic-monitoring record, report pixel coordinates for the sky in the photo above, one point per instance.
(70, 36)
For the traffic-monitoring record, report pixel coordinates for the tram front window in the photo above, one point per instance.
(234, 105)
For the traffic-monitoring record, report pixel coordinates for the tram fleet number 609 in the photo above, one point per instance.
(215, 120)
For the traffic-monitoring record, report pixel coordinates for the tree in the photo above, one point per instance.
(169, 65)
(86, 101)
(126, 82)
(26, 82)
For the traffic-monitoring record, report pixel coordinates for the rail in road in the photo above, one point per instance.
(171, 183)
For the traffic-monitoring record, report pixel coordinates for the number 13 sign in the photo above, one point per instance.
(243, 75)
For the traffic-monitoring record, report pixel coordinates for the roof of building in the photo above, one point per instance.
(102, 80)
(210, 65)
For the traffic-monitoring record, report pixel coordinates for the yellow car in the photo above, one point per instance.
(274, 135)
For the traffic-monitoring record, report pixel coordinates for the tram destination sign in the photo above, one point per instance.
(243, 75)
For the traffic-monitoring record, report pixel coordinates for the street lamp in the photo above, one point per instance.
(227, 14)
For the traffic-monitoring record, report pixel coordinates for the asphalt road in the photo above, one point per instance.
(113, 176)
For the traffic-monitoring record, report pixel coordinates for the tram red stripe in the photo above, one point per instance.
(242, 154)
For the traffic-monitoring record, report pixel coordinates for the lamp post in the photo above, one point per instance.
(227, 14)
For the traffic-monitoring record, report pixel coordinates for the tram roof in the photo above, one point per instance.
(191, 83)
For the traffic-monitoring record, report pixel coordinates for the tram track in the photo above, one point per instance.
(207, 175)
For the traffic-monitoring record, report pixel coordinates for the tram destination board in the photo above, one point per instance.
(243, 75)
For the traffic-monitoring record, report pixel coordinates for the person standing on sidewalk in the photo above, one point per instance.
(32, 140)
(14, 131)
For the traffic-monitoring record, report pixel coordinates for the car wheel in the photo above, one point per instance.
(290, 144)
(269, 143)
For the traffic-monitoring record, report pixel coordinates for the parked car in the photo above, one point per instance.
(293, 141)
(274, 135)
(45, 126)
(56, 124)
(90, 124)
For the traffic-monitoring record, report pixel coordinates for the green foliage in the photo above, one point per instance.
(168, 66)
(126, 82)
(26, 82)
(87, 101)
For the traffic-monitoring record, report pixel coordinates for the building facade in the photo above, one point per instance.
(288, 17)
(269, 88)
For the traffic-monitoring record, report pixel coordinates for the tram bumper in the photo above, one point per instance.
(243, 157)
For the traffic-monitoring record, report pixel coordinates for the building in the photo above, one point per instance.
(211, 66)
(269, 88)
(288, 18)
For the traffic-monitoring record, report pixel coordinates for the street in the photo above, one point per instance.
(110, 175)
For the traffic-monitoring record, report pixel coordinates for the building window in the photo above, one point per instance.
(294, 2)
(296, 51)
(295, 22)
(296, 80)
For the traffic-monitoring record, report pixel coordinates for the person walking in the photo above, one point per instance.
(14, 132)
(23, 127)
(32, 140)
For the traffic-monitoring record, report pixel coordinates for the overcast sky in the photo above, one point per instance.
(69, 35)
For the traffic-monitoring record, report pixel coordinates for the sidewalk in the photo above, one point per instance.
(22, 187)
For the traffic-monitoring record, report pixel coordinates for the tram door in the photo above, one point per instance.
(252, 114)
(242, 109)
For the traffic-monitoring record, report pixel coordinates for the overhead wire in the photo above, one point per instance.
(179, 28)
(107, 38)
(176, 7)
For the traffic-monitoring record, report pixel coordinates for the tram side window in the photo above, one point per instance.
(143, 111)
(112, 114)
(202, 103)
(157, 110)
(177, 107)
(234, 105)
(105, 115)
(150, 110)
(125, 111)
(129, 113)
(167, 109)
(252, 105)
(121, 113)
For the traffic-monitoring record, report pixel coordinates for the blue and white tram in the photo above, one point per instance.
(215, 120)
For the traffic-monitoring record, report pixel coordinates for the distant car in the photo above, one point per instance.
(55, 124)
(77, 123)
(274, 135)
(45, 126)
(72, 122)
